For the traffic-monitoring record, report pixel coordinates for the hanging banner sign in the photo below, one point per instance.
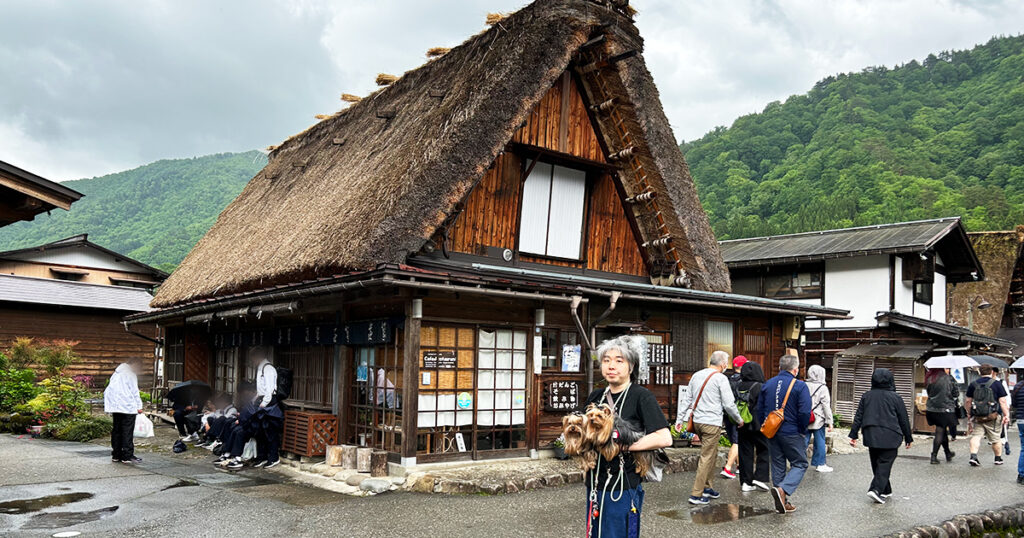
(358, 333)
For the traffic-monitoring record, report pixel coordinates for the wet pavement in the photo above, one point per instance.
(50, 487)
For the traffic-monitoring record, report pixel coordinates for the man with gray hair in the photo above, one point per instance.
(789, 444)
(710, 398)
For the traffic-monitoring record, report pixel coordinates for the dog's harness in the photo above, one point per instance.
(595, 505)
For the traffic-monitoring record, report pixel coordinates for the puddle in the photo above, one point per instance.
(25, 506)
(59, 520)
(183, 483)
(717, 513)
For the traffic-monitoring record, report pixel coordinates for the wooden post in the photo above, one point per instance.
(333, 457)
(363, 459)
(410, 382)
(379, 463)
(348, 456)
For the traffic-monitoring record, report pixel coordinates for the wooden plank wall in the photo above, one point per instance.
(198, 354)
(42, 270)
(490, 217)
(102, 341)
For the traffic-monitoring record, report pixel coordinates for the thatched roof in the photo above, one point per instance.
(999, 252)
(371, 184)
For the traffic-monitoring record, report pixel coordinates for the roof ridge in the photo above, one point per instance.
(840, 230)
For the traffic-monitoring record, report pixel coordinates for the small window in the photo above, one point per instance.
(793, 285)
(720, 337)
(553, 348)
(844, 391)
(551, 223)
(923, 292)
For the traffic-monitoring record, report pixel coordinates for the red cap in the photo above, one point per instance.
(739, 361)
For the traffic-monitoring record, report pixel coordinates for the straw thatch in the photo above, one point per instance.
(384, 79)
(349, 98)
(409, 157)
(999, 253)
(495, 18)
(434, 52)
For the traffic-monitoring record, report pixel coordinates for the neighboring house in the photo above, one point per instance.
(76, 290)
(892, 278)
(23, 195)
(995, 306)
(436, 262)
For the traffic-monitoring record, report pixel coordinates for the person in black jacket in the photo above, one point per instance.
(754, 458)
(882, 415)
(943, 396)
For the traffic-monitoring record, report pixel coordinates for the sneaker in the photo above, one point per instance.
(761, 485)
(779, 497)
(132, 460)
(698, 500)
(748, 487)
(950, 456)
(886, 495)
(999, 460)
(824, 469)
(1020, 479)
(727, 474)
(259, 464)
(224, 462)
(711, 494)
(115, 460)
(235, 464)
(974, 461)
(214, 445)
(934, 460)
(876, 497)
(273, 464)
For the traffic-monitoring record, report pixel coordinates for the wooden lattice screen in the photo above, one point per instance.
(308, 434)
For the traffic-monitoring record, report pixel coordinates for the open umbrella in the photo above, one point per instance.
(1019, 363)
(950, 361)
(991, 361)
(190, 392)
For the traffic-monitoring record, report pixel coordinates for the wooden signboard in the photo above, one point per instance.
(442, 360)
(561, 396)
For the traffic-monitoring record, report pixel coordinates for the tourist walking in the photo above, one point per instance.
(788, 446)
(943, 395)
(754, 456)
(882, 415)
(712, 397)
(614, 494)
(1018, 414)
(731, 432)
(988, 410)
(821, 409)
(122, 400)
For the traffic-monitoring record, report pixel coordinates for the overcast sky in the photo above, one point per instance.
(91, 87)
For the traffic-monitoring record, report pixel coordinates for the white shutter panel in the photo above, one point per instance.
(566, 220)
(533, 222)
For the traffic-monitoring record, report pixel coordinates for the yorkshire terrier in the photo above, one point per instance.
(574, 427)
(604, 433)
(600, 427)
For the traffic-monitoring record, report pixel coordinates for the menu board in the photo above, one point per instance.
(442, 360)
(562, 396)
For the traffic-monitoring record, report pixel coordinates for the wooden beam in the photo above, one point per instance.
(563, 114)
(410, 380)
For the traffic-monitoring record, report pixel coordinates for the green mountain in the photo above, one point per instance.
(937, 138)
(154, 213)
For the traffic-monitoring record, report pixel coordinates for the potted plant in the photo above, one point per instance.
(680, 438)
(559, 447)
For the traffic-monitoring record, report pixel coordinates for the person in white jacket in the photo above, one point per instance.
(122, 400)
(821, 406)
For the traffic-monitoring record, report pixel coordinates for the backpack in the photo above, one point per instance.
(284, 382)
(743, 403)
(983, 403)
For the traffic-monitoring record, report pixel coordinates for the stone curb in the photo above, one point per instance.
(427, 483)
(1006, 521)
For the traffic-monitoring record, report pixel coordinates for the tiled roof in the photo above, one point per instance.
(23, 289)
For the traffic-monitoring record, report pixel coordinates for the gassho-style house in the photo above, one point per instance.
(436, 262)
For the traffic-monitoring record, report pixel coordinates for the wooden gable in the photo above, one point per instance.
(558, 127)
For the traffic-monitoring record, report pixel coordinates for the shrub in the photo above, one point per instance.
(22, 352)
(837, 420)
(16, 422)
(17, 386)
(80, 428)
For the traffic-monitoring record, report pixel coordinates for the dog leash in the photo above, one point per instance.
(620, 479)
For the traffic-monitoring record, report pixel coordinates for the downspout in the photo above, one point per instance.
(574, 306)
(593, 336)
(144, 337)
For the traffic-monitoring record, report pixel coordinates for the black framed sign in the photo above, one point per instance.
(561, 396)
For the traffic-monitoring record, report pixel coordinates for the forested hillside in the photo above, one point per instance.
(154, 213)
(936, 138)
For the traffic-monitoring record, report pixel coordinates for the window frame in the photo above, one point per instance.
(528, 162)
(922, 296)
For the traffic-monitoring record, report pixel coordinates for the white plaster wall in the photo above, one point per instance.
(939, 298)
(83, 257)
(860, 285)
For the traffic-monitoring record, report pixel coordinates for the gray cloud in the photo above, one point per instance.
(91, 87)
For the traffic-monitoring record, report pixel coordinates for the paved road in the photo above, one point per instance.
(169, 496)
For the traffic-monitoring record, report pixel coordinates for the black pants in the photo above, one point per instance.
(881, 466)
(234, 441)
(755, 460)
(941, 440)
(122, 443)
(184, 425)
(219, 428)
(268, 443)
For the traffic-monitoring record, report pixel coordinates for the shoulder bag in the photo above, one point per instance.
(693, 407)
(773, 421)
